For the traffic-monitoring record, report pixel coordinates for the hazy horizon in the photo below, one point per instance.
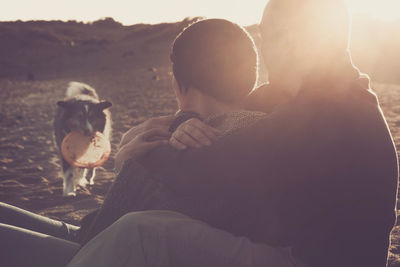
(158, 11)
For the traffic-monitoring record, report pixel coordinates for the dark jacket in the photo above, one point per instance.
(324, 162)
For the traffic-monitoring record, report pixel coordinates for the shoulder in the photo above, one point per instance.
(361, 87)
(231, 121)
(266, 98)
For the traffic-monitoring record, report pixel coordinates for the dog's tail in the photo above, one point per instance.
(77, 88)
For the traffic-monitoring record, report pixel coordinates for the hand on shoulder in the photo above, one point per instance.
(143, 138)
(193, 133)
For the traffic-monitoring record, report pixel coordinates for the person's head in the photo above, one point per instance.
(215, 58)
(304, 36)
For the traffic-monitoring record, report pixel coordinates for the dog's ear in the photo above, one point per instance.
(62, 104)
(104, 105)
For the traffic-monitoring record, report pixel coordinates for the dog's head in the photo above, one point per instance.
(84, 116)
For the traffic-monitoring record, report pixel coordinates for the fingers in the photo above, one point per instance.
(155, 134)
(130, 134)
(140, 145)
(194, 133)
(162, 121)
(167, 120)
(153, 144)
(186, 139)
(211, 132)
(176, 144)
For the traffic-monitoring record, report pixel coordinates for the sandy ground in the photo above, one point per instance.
(30, 174)
(30, 170)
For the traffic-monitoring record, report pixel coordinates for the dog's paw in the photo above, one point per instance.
(83, 182)
(69, 194)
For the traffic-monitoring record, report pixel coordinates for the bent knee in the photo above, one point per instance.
(140, 216)
(150, 219)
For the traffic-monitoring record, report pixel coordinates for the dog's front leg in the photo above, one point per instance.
(69, 187)
(90, 175)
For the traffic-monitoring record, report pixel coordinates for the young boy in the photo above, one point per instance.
(214, 64)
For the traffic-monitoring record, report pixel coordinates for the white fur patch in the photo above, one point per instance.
(75, 88)
(89, 126)
(72, 178)
(69, 186)
(91, 179)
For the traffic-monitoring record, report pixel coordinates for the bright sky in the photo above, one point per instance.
(244, 12)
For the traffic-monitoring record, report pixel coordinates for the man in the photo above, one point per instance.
(323, 160)
(324, 157)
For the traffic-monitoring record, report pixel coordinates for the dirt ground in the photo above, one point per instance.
(30, 168)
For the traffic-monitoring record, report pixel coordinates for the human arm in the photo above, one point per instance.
(232, 176)
(193, 133)
(162, 122)
(138, 141)
(234, 156)
(140, 145)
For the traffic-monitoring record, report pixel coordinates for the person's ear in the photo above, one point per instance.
(104, 105)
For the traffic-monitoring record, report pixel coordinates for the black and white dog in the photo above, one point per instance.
(82, 111)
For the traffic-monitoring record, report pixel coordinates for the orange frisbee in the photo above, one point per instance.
(84, 151)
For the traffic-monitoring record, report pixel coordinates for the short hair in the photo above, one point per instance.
(217, 57)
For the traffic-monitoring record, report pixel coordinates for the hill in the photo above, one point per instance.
(45, 49)
(54, 49)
